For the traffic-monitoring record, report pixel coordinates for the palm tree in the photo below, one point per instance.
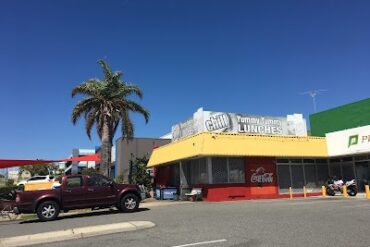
(106, 104)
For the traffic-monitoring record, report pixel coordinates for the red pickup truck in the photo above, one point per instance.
(76, 192)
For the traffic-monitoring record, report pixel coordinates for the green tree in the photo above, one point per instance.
(89, 171)
(106, 104)
(42, 169)
(139, 174)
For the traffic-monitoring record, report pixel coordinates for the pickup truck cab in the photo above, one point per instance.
(77, 192)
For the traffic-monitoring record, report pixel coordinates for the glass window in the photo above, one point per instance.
(236, 170)
(98, 180)
(308, 161)
(284, 178)
(322, 174)
(335, 170)
(219, 170)
(348, 172)
(310, 176)
(297, 177)
(91, 181)
(198, 171)
(203, 171)
(73, 182)
(346, 159)
(282, 161)
(36, 178)
(295, 161)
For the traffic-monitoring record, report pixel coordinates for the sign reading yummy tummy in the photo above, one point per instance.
(260, 125)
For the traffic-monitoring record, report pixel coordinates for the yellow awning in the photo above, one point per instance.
(220, 144)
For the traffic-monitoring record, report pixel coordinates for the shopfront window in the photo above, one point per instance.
(348, 171)
(284, 178)
(322, 173)
(236, 170)
(297, 177)
(310, 176)
(197, 170)
(335, 170)
(219, 170)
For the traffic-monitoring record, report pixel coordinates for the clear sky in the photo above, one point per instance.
(252, 57)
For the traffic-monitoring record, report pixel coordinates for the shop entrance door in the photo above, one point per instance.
(362, 174)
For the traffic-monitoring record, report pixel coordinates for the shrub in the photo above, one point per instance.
(8, 193)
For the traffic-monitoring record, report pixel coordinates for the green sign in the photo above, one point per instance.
(352, 140)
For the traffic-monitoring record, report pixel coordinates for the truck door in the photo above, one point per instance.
(100, 192)
(74, 192)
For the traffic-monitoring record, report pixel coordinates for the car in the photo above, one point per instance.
(36, 179)
(77, 192)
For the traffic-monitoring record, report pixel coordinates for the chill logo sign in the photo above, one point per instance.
(218, 122)
(260, 175)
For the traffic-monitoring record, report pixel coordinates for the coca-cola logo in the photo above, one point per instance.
(260, 176)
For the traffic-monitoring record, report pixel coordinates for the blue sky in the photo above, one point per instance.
(253, 57)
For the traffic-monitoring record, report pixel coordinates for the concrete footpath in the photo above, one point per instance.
(75, 233)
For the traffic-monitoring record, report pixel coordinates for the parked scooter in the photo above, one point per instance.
(336, 185)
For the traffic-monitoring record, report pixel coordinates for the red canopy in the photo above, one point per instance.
(93, 157)
(12, 163)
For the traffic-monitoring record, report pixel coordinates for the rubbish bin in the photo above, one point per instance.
(168, 193)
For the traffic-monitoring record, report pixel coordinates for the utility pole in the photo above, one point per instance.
(313, 94)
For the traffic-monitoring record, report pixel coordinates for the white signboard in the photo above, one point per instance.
(207, 121)
(351, 141)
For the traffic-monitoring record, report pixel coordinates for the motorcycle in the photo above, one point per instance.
(333, 186)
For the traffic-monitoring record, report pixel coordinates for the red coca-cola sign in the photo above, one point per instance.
(259, 175)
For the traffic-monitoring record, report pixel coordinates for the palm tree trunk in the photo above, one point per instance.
(106, 149)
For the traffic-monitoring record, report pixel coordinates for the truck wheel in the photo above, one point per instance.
(129, 203)
(48, 210)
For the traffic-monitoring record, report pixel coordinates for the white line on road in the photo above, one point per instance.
(201, 243)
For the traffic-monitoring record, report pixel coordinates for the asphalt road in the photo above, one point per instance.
(298, 222)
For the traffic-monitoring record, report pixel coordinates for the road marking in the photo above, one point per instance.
(202, 243)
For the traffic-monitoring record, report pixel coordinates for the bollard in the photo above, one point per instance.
(344, 188)
(367, 190)
(323, 190)
(304, 192)
(290, 193)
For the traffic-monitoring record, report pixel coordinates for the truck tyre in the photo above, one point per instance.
(129, 203)
(48, 210)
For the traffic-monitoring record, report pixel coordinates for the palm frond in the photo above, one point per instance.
(135, 107)
(133, 89)
(106, 69)
(90, 121)
(90, 88)
(83, 106)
